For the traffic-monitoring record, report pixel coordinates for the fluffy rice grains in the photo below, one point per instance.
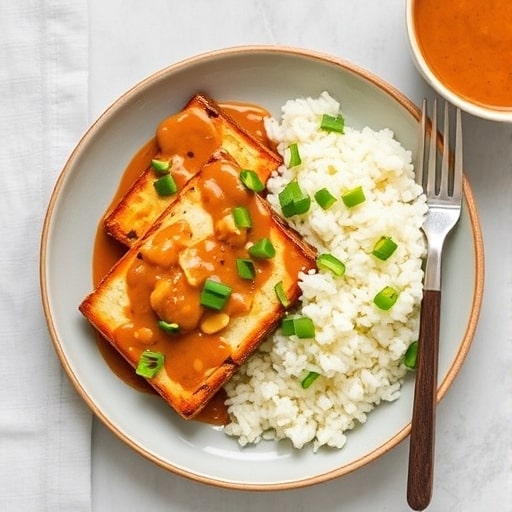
(358, 348)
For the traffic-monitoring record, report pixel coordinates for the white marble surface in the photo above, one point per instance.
(130, 39)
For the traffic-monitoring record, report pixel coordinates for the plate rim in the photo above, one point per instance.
(103, 118)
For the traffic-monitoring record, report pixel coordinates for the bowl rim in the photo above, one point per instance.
(92, 131)
(489, 113)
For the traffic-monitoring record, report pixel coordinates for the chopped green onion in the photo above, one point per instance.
(293, 200)
(304, 327)
(329, 262)
(245, 268)
(332, 123)
(384, 248)
(324, 198)
(301, 326)
(165, 186)
(150, 363)
(281, 294)
(411, 355)
(386, 298)
(297, 207)
(251, 180)
(309, 379)
(353, 197)
(216, 287)
(160, 166)
(242, 217)
(263, 248)
(214, 294)
(295, 158)
(170, 327)
(287, 327)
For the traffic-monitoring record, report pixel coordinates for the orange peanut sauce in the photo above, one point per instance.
(146, 271)
(250, 117)
(166, 279)
(468, 45)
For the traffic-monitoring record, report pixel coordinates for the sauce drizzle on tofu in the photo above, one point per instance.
(108, 251)
(166, 279)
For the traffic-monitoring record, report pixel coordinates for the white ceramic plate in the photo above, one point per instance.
(267, 76)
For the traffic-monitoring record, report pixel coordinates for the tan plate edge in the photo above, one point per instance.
(401, 435)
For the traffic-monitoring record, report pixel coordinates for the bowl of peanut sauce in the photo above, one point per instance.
(463, 49)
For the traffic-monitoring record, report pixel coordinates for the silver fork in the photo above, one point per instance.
(443, 189)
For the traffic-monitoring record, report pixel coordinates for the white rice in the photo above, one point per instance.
(358, 348)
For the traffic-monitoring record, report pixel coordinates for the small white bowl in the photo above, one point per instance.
(494, 114)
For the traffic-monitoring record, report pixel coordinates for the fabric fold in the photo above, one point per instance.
(45, 427)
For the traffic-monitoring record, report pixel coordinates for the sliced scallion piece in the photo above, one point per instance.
(301, 326)
(242, 217)
(324, 198)
(165, 186)
(150, 363)
(309, 379)
(160, 167)
(386, 298)
(251, 180)
(304, 327)
(245, 268)
(293, 200)
(214, 294)
(295, 158)
(287, 327)
(384, 248)
(169, 327)
(263, 248)
(281, 294)
(353, 197)
(411, 355)
(332, 123)
(329, 262)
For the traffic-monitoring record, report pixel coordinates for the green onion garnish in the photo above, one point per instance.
(251, 180)
(293, 200)
(324, 198)
(295, 158)
(332, 123)
(304, 327)
(309, 379)
(214, 294)
(263, 248)
(169, 327)
(160, 166)
(281, 294)
(411, 355)
(245, 268)
(329, 262)
(384, 248)
(386, 298)
(165, 186)
(287, 327)
(301, 326)
(353, 197)
(150, 363)
(242, 217)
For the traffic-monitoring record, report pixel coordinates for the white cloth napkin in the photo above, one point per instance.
(45, 428)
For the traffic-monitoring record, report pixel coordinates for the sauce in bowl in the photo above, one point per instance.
(467, 44)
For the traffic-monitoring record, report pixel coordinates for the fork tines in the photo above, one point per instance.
(439, 181)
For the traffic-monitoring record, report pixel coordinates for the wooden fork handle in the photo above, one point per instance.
(421, 448)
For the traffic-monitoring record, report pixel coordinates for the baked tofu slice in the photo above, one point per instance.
(198, 290)
(185, 141)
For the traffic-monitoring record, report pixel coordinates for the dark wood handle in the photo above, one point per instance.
(421, 448)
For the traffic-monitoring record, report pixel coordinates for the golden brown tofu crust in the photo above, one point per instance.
(139, 208)
(108, 307)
